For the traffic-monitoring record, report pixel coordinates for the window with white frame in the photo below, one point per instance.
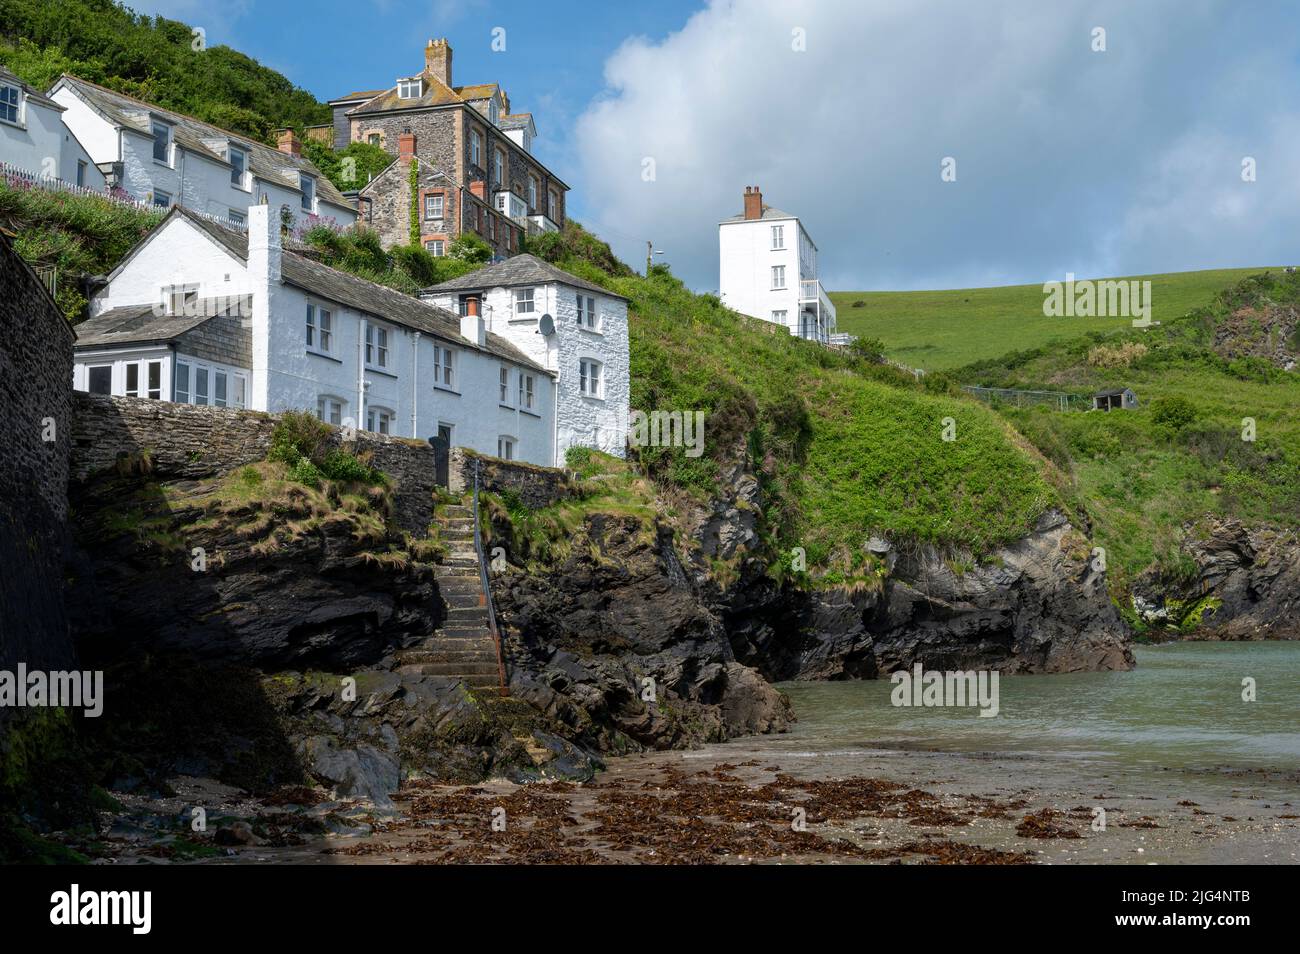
(330, 409)
(589, 374)
(587, 317)
(492, 227)
(410, 88)
(99, 379)
(778, 236)
(197, 383)
(506, 447)
(779, 317)
(379, 420)
(525, 392)
(444, 362)
(308, 186)
(475, 147)
(376, 347)
(162, 141)
(498, 166)
(162, 199)
(433, 204)
(553, 206)
(181, 299)
(778, 276)
(532, 193)
(505, 385)
(238, 166)
(524, 304)
(320, 329)
(11, 102)
(435, 247)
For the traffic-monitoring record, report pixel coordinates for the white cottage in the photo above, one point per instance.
(574, 328)
(34, 138)
(200, 313)
(767, 268)
(167, 158)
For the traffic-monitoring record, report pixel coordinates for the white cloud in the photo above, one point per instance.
(1116, 162)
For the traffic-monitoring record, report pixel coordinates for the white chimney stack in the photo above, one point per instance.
(472, 327)
(264, 248)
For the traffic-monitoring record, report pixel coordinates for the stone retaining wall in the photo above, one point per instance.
(536, 486)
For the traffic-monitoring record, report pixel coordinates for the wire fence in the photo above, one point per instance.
(1062, 400)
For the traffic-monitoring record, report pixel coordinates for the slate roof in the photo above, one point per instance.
(516, 121)
(436, 93)
(30, 92)
(521, 269)
(364, 296)
(137, 324)
(1112, 392)
(361, 94)
(768, 213)
(265, 162)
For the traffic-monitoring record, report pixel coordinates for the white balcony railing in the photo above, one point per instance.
(816, 305)
(541, 223)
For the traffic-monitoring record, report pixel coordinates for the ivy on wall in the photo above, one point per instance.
(415, 201)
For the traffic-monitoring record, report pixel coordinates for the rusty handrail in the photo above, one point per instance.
(487, 589)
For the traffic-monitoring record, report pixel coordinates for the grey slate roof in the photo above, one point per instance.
(768, 213)
(521, 269)
(364, 296)
(134, 324)
(265, 162)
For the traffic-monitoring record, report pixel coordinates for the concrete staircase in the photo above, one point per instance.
(463, 648)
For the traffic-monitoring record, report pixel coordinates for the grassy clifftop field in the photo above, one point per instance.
(938, 330)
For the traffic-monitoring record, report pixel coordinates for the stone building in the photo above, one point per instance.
(475, 167)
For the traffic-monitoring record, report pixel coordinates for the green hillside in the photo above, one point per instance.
(937, 330)
(151, 58)
(1143, 475)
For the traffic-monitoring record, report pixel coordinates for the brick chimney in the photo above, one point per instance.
(479, 188)
(406, 145)
(437, 59)
(753, 203)
(471, 323)
(289, 143)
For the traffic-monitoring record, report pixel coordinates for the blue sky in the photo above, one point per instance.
(1113, 161)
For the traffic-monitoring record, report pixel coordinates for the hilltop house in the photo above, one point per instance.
(166, 158)
(571, 327)
(768, 270)
(475, 167)
(201, 313)
(34, 138)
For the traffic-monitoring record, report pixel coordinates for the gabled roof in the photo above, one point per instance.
(139, 324)
(521, 269)
(29, 91)
(360, 95)
(436, 93)
(367, 297)
(265, 162)
(768, 213)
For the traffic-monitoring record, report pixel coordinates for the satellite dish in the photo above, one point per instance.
(546, 325)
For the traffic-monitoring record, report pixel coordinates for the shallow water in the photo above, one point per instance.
(1180, 709)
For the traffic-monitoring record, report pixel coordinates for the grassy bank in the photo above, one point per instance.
(937, 330)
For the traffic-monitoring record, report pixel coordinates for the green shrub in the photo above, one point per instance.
(343, 467)
(1173, 412)
(869, 349)
(299, 435)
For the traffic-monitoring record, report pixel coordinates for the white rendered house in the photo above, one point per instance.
(166, 158)
(200, 313)
(573, 328)
(767, 268)
(34, 138)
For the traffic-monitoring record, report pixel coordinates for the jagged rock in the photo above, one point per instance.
(360, 772)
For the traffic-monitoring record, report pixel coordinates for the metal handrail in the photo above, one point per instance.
(487, 588)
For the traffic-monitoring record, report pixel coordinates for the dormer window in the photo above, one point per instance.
(11, 99)
(410, 88)
(162, 141)
(238, 166)
(308, 186)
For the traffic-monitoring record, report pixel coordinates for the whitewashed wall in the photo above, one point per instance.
(745, 260)
(35, 145)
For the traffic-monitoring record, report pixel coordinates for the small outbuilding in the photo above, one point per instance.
(1115, 399)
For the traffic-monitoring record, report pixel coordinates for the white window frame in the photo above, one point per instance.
(525, 297)
(499, 166)
(238, 174)
(442, 205)
(320, 329)
(99, 367)
(526, 383)
(154, 126)
(780, 316)
(11, 97)
(326, 407)
(476, 148)
(591, 378)
(161, 199)
(379, 420)
(778, 238)
(532, 192)
(435, 247)
(503, 386)
(506, 446)
(553, 205)
(778, 278)
(234, 380)
(307, 184)
(410, 88)
(588, 318)
(378, 348)
(444, 368)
